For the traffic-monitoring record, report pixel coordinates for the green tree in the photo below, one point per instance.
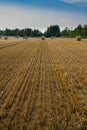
(7, 32)
(84, 32)
(53, 30)
(35, 33)
(79, 30)
(66, 32)
(1, 33)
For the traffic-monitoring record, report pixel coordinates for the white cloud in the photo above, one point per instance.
(20, 17)
(75, 1)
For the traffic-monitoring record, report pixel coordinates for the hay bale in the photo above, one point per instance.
(26, 37)
(5, 38)
(52, 37)
(78, 38)
(43, 37)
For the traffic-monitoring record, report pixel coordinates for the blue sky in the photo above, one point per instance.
(72, 5)
(42, 13)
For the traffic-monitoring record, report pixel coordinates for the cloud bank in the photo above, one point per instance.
(20, 17)
(75, 1)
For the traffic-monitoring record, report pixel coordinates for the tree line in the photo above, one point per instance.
(53, 30)
(21, 32)
(78, 31)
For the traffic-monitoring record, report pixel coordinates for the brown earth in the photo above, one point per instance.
(43, 84)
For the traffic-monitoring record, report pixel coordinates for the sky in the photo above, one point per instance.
(40, 14)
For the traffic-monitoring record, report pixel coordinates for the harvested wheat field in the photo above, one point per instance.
(43, 84)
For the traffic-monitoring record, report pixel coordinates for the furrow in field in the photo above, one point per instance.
(10, 72)
(74, 108)
(8, 88)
